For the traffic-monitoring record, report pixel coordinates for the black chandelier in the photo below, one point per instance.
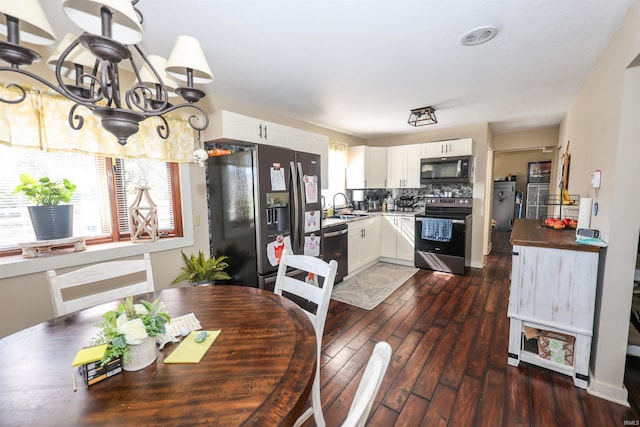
(113, 29)
(423, 116)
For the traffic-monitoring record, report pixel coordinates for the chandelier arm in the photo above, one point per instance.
(75, 117)
(162, 101)
(204, 115)
(163, 129)
(60, 91)
(21, 97)
(87, 102)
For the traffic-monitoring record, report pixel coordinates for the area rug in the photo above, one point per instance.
(370, 287)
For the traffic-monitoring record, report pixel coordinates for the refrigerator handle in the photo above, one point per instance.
(303, 205)
(295, 194)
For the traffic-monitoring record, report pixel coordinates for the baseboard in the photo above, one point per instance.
(476, 265)
(618, 395)
(398, 261)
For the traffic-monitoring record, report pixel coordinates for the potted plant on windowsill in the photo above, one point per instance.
(199, 270)
(50, 219)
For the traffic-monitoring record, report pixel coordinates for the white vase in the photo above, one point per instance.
(141, 355)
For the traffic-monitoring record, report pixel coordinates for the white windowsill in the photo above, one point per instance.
(12, 266)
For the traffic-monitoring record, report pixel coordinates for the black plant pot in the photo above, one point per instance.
(52, 222)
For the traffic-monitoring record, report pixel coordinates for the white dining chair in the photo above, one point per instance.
(319, 296)
(127, 273)
(369, 386)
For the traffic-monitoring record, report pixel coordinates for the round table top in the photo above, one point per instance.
(259, 371)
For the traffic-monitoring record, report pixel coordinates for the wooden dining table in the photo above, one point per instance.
(259, 371)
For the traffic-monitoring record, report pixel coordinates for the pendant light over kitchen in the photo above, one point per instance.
(423, 116)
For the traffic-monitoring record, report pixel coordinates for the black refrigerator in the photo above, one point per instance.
(262, 200)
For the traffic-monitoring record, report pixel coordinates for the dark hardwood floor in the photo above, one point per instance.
(449, 367)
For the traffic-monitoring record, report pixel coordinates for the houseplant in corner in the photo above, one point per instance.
(199, 270)
(50, 219)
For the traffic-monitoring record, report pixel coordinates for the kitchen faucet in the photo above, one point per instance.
(347, 205)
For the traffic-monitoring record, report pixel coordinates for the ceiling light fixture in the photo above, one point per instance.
(423, 116)
(93, 60)
(478, 36)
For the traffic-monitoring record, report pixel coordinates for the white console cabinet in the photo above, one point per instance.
(553, 288)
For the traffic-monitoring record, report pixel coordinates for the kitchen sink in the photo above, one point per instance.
(348, 216)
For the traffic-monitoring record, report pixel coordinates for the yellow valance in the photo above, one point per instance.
(41, 121)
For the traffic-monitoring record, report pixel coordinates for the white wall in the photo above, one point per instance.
(602, 126)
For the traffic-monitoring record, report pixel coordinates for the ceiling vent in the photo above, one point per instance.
(478, 36)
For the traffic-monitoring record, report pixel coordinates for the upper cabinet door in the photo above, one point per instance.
(403, 166)
(412, 153)
(320, 145)
(250, 129)
(300, 140)
(367, 167)
(396, 167)
(376, 167)
(237, 126)
(450, 148)
(273, 134)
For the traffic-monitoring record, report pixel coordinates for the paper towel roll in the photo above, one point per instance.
(584, 214)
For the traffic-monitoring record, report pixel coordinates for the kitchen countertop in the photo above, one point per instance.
(329, 222)
(529, 232)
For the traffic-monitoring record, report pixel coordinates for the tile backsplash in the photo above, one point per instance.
(456, 189)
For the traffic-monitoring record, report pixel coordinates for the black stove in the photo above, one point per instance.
(448, 207)
(451, 253)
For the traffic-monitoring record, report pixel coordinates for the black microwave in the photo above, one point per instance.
(446, 170)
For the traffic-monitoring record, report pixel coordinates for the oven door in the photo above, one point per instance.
(454, 247)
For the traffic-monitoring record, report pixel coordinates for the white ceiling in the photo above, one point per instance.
(360, 66)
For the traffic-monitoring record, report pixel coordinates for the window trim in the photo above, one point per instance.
(12, 266)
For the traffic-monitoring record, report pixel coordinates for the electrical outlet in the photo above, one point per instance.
(196, 220)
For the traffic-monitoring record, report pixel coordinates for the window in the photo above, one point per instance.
(338, 159)
(106, 187)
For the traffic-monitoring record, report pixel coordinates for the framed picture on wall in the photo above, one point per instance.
(539, 172)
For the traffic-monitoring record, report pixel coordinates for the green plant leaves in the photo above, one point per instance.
(45, 192)
(198, 268)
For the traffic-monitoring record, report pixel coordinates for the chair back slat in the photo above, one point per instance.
(93, 274)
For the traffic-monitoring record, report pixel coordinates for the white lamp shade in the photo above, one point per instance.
(149, 79)
(33, 25)
(126, 27)
(187, 53)
(79, 55)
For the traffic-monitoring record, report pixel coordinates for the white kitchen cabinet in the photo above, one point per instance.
(367, 167)
(250, 129)
(397, 237)
(363, 242)
(450, 148)
(299, 140)
(553, 288)
(320, 145)
(403, 166)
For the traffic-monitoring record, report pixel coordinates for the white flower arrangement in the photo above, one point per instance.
(129, 325)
